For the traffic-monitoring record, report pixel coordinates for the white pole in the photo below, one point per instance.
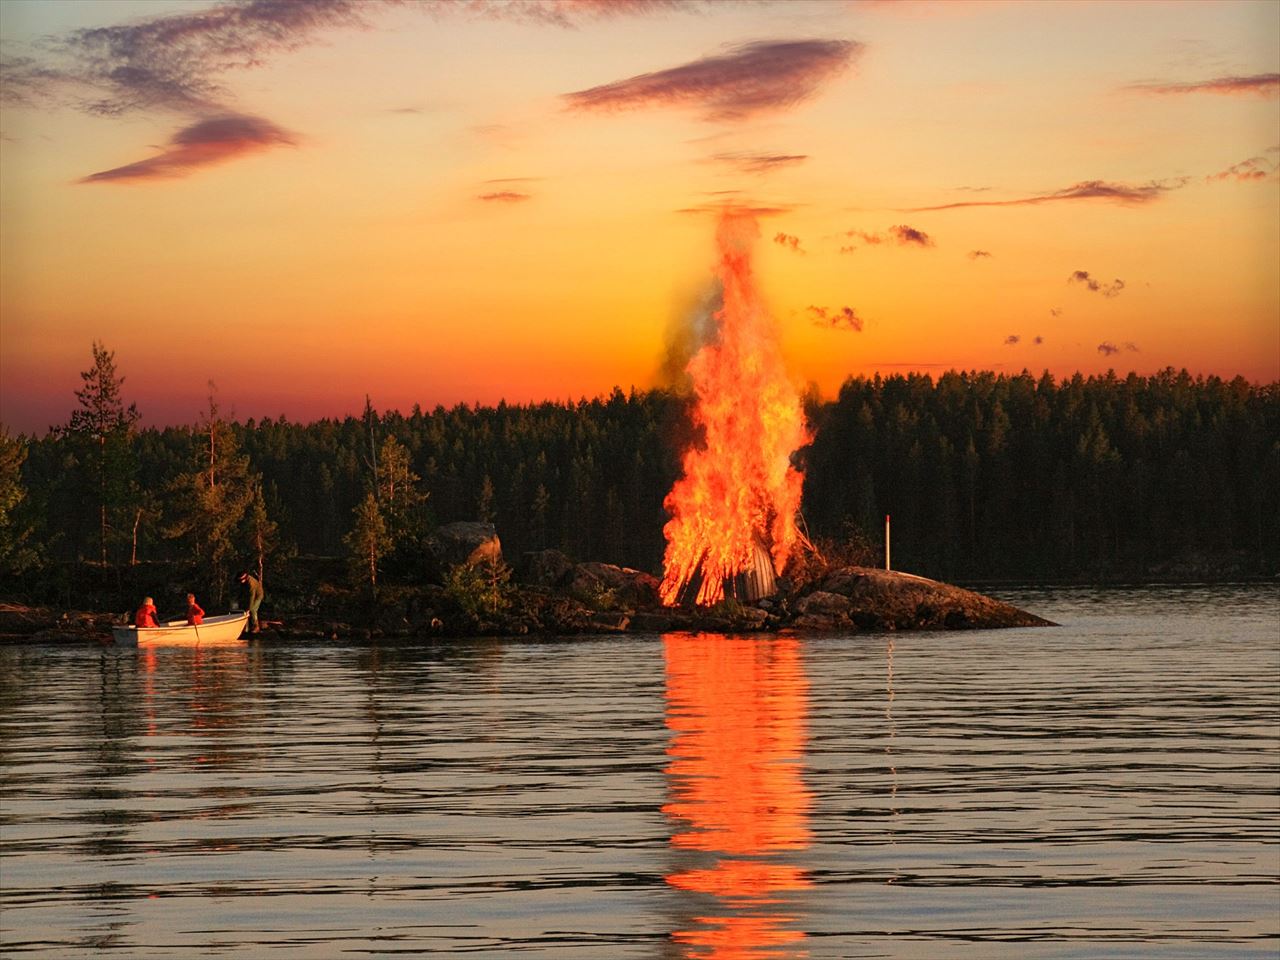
(886, 541)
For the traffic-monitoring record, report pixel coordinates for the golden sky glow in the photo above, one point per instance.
(308, 228)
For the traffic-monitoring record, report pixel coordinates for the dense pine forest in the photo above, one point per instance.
(985, 475)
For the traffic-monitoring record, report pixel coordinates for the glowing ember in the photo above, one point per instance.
(739, 494)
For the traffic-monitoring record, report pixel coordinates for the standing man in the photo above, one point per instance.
(255, 598)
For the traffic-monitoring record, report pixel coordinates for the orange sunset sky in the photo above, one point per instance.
(469, 201)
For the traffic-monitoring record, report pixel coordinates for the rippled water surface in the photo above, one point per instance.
(1107, 788)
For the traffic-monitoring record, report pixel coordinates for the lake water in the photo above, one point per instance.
(1107, 788)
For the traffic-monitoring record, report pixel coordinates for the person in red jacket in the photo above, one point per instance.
(146, 615)
(195, 616)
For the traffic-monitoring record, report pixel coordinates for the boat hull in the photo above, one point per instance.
(226, 629)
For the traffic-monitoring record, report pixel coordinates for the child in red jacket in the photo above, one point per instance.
(146, 615)
(195, 616)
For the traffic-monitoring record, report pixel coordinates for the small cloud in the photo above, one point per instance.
(1012, 340)
(849, 249)
(789, 241)
(1095, 286)
(1108, 349)
(760, 163)
(1131, 347)
(1258, 84)
(202, 144)
(1255, 168)
(504, 196)
(499, 180)
(838, 318)
(750, 79)
(736, 208)
(907, 236)
(1038, 340)
(1055, 311)
(1121, 193)
(979, 254)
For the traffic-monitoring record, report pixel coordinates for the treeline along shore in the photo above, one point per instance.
(986, 477)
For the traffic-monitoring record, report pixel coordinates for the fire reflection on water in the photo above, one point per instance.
(739, 807)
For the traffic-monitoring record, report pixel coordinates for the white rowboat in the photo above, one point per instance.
(178, 633)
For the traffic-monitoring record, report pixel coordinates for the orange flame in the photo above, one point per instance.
(739, 490)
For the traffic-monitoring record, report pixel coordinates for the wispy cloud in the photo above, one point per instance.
(910, 236)
(1109, 349)
(750, 79)
(1122, 193)
(739, 208)
(1012, 340)
(760, 163)
(200, 145)
(504, 196)
(175, 61)
(836, 318)
(1094, 285)
(1258, 84)
(789, 241)
(902, 235)
(1255, 168)
(979, 254)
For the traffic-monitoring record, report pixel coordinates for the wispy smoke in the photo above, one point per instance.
(1095, 286)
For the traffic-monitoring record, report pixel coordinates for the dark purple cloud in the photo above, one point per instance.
(1258, 84)
(1122, 193)
(1038, 340)
(174, 61)
(200, 145)
(1096, 286)
(1012, 340)
(759, 163)
(504, 196)
(751, 79)
(909, 236)
(1108, 349)
(789, 241)
(837, 318)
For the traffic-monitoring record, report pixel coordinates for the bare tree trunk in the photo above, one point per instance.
(133, 556)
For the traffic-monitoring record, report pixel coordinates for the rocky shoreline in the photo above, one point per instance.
(560, 598)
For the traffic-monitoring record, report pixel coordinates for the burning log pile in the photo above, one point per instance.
(733, 512)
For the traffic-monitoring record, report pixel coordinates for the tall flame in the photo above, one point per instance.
(739, 492)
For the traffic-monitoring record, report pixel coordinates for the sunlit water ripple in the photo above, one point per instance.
(1107, 788)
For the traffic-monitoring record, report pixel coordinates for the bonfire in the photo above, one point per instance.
(733, 512)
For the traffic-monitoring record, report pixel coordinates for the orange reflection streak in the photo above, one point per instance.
(738, 710)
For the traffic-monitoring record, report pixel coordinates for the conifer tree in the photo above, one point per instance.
(102, 428)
